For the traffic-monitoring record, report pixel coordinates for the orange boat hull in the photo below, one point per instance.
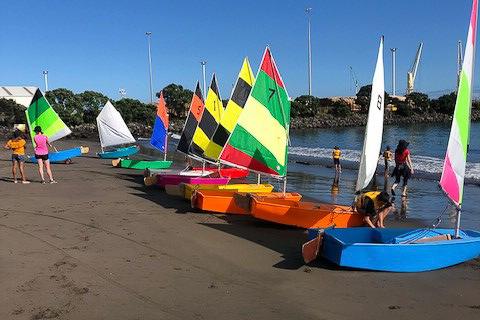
(232, 202)
(304, 214)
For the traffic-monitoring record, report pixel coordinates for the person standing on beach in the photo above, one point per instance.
(336, 154)
(41, 153)
(403, 166)
(17, 145)
(387, 157)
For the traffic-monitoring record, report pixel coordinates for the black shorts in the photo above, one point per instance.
(17, 157)
(336, 161)
(400, 171)
(44, 157)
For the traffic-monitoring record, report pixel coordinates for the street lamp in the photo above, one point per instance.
(203, 63)
(149, 36)
(394, 54)
(309, 14)
(45, 78)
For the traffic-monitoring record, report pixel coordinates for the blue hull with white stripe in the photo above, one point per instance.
(119, 153)
(62, 156)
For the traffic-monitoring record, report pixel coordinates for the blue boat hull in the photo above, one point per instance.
(372, 249)
(61, 156)
(119, 153)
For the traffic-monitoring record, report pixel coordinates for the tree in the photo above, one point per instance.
(91, 103)
(340, 109)
(363, 97)
(308, 106)
(67, 105)
(445, 104)
(418, 101)
(133, 110)
(11, 113)
(404, 109)
(177, 99)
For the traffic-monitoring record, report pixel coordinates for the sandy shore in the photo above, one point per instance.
(98, 245)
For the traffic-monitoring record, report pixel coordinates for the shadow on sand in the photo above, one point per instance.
(282, 239)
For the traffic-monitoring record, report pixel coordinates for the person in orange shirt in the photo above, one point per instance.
(336, 153)
(17, 145)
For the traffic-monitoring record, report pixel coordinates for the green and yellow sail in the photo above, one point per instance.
(210, 119)
(234, 108)
(259, 141)
(40, 113)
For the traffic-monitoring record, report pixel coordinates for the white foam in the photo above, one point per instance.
(421, 163)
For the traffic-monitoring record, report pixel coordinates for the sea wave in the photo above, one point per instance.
(425, 167)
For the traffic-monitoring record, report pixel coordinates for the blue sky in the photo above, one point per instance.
(101, 45)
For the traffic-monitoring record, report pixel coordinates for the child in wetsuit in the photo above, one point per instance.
(336, 153)
(17, 145)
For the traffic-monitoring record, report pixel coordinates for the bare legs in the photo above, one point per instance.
(41, 163)
(20, 165)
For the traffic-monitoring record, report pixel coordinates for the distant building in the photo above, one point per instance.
(21, 95)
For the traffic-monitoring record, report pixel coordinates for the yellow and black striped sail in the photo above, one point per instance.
(208, 123)
(235, 105)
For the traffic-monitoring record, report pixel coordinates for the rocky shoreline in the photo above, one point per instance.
(89, 131)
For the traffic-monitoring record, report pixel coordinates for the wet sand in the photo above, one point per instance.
(99, 245)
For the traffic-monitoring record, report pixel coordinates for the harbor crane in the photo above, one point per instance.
(354, 79)
(412, 73)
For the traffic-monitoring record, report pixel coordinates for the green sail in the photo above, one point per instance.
(40, 113)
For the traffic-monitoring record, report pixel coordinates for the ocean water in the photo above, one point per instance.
(310, 170)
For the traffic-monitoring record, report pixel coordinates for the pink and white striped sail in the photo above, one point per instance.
(456, 158)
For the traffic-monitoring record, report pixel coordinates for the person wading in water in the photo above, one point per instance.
(403, 166)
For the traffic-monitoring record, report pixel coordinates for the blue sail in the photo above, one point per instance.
(160, 128)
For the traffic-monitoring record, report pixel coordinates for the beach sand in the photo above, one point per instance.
(99, 245)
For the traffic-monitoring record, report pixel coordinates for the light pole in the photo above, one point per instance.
(45, 78)
(204, 63)
(149, 36)
(394, 53)
(308, 12)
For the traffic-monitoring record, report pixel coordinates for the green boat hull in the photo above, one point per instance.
(144, 164)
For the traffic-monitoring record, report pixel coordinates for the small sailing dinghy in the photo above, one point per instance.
(416, 250)
(113, 131)
(40, 113)
(159, 141)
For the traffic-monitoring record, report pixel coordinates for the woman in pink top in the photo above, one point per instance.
(41, 153)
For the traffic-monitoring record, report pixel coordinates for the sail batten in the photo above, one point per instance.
(112, 129)
(40, 113)
(259, 141)
(453, 173)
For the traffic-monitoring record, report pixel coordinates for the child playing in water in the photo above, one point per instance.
(387, 157)
(17, 145)
(336, 153)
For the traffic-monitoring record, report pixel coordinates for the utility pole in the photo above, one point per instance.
(308, 12)
(394, 54)
(45, 78)
(204, 63)
(149, 36)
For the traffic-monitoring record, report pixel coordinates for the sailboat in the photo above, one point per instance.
(113, 131)
(424, 249)
(159, 141)
(213, 148)
(250, 146)
(40, 113)
(197, 175)
(321, 215)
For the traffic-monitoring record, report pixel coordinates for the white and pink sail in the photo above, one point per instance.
(456, 158)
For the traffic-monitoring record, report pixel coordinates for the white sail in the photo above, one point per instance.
(111, 128)
(372, 143)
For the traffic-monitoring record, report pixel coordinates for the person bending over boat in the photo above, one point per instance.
(41, 153)
(375, 205)
(336, 153)
(403, 166)
(17, 145)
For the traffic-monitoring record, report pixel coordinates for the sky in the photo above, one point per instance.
(101, 45)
